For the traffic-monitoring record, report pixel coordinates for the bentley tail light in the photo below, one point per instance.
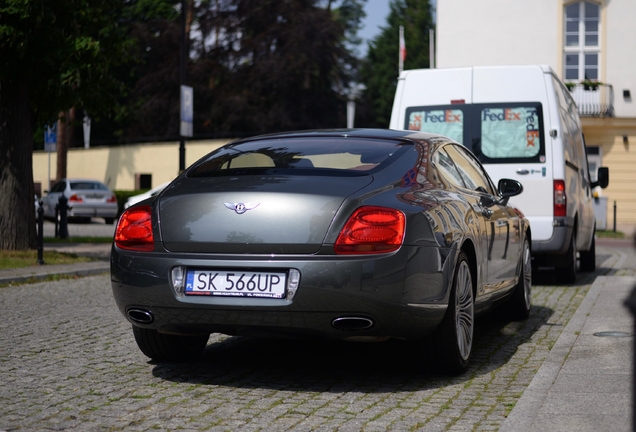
(560, 199)
(372, 230)
(134, 230)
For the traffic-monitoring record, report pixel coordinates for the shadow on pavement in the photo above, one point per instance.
(334, 366)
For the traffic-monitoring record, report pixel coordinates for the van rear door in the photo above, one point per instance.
(510, 141)
(511, 113)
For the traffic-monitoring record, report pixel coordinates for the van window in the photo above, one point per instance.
(510, 132)
(494, 132)
(448, 122)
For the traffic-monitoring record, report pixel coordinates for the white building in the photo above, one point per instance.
(590, 44)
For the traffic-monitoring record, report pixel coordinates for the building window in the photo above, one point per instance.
(582, 45)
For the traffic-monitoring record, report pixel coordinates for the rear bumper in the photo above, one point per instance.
(555, 248)
(330, 288)
(93, 211)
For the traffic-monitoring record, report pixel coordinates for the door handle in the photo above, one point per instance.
(523, 172)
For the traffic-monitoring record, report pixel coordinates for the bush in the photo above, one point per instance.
(123, 195)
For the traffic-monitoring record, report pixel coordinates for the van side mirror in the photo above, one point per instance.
(602, 178)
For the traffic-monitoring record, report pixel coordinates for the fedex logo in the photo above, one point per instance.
(507, 114)
(447, 116)
(532, 131)
(439, 116)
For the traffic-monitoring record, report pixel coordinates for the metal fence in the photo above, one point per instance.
(594, 99)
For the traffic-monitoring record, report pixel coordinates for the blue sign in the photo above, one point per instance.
(187, 103)
(50, 138)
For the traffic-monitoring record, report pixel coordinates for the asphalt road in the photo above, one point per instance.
(68, 361)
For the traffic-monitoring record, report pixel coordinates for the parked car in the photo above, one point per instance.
(86, 199)
(148, 194)
(37, 205)
(522, 123)
(360, 235)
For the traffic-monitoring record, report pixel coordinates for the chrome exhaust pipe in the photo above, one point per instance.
(141, 316)
(352, 323)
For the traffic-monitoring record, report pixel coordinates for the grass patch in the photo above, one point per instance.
(78, 240)
(610, 234)
(20, 259)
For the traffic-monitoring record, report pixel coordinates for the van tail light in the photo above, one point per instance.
(372, 230)
(111, 199)
(75, 199)
(134, 230)
(560, 200)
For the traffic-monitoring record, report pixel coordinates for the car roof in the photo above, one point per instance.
(354, 133)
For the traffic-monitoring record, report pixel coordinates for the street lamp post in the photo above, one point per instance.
(182, 79)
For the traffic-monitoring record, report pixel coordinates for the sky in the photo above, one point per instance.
(377, 11)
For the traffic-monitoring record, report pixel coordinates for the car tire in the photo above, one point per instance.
(109, 221)
(567, 273)
(453, 339)
(518, 308)
(168, 347)
(588, 258)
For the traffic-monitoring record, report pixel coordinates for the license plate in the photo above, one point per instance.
(236, 283)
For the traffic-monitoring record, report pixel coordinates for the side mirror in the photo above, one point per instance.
(509, 188)
(602, 178)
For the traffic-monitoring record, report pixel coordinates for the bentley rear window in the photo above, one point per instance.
(307, 156)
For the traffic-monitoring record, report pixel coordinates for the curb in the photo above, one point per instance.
(45, 272)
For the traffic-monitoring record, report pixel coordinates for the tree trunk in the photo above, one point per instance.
(17, 210)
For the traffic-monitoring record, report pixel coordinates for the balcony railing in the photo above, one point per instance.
(595, 99)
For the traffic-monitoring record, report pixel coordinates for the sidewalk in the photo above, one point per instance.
(99, 251)
(585, 383)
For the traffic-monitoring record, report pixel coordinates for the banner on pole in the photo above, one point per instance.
(50, 138)
(186, 110)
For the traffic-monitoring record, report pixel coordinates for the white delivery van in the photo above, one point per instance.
(522, 123)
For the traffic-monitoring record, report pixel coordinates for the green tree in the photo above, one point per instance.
(379, 71)
(255, 65)
(267, 65)
(53, 56)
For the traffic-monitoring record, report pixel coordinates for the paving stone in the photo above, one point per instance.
(68, 361)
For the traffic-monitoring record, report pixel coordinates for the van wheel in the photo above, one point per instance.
(167, 347)
(567, 273)
(453, 339)
(588, 258)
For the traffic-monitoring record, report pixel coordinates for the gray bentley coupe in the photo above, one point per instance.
(359, 234)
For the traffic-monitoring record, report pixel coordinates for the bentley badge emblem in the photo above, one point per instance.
(241, 208)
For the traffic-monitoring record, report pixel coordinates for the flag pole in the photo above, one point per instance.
(401, 51)
(431, 48)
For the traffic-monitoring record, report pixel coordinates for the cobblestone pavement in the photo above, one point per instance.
(68, 361)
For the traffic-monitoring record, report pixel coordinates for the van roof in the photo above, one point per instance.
(545, 69)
